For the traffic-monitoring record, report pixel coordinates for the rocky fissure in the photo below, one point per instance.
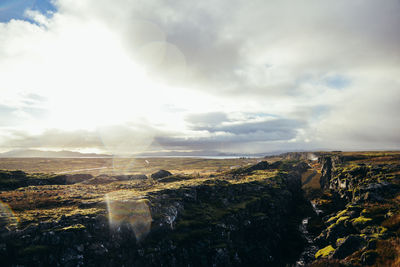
(254, 215)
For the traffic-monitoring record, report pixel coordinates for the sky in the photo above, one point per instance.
(129, 76)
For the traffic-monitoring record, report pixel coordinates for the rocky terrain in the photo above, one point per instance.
(305, 209)
(359, 203)
(248, 216)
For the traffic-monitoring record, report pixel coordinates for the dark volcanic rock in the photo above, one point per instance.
(213, 223)
(326, 171)
(173, 178)
(262, 165)
(349, 245)
(160, 174)
(131, 177)
(14, 179)
(369, 257)
(101, 179)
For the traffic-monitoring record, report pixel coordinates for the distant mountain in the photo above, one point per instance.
(33, 153)
(202, 153)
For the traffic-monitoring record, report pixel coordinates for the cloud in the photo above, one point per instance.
(202, 120)
(366, 119)
(216, 130)
(51, 139)
(231, 73)
(24, 108)
(277, 126)
(116, 139)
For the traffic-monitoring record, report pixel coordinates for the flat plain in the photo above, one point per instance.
(120, 166)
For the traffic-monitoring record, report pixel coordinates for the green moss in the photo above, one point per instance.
(331, 219)
(332, 225)
(361, 220)
(343, 212)
(343, 218)
(364, 211)
(338, 216)
(339, 241)
(73, 227)
(325, 252)
(376, 235)
(382, 229)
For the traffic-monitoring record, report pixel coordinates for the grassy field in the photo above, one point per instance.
(114, 166)
(30, 205)
(34, 204)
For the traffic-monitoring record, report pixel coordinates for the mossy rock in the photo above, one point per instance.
(361, 222)
(348, 246)
(340, 241)
(325, 252)
(342, 219)
(75, 227)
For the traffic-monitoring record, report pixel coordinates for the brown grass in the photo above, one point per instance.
(116, 166)
(393, 223)
(389, 253)
(326, 263)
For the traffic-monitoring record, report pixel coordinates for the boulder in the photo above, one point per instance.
(160, 174)
(262, 165)
(351, 244)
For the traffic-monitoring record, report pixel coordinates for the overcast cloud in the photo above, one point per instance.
(127, 76)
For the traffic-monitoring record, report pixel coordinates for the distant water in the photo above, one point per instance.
(201, 157)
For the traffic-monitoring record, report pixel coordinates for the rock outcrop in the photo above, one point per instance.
(160, 174)
(362, 194)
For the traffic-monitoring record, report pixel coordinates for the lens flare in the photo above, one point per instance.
(8, 219)
(164, 60)
(134, 212)
(125, 140)
(123, 165)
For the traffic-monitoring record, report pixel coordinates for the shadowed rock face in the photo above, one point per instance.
(326, 171)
